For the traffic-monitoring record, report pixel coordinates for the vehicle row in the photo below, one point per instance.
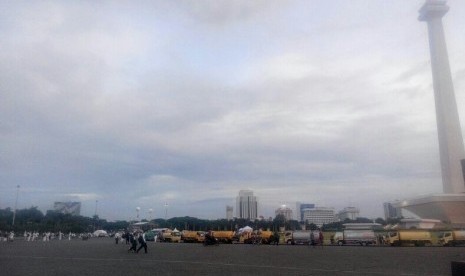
(363, 237)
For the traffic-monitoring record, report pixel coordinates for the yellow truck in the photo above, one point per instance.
(409, 237)
(192, 236)
(224, 236)
(452, 238)
(172, 236)
(266, 237)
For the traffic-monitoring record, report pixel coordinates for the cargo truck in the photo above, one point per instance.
(452, 238)
(300, 236)
(224, 236)
(172, 236)
(409, 237)
(192, 236)
(356, 237)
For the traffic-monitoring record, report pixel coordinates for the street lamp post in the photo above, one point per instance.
(137, 211)
(166, 211)
(16, 206)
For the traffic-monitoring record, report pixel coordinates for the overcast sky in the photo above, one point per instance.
(142, 103)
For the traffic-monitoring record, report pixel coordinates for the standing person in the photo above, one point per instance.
(320, 238)
(142, 242)
(116, 237)
(133, 242)
(127, 237)
(312, 238)
(276, 238)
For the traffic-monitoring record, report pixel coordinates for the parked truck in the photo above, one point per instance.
(255, 237)
(409, 237)
(224, 236)
(172, 236)
(300, 236)
(192, 236)
(354, 236)
(452, 238)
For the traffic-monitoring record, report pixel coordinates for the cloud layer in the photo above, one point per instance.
(185, 103)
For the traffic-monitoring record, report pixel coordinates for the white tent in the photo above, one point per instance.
(100, 233)
(246, 229)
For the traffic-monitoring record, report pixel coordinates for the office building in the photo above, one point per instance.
(285, 211)
(318, 215)
(246, 205)
(300, 207)
(391, 212)
(351, 213)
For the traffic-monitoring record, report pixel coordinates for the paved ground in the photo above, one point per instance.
(103, 257)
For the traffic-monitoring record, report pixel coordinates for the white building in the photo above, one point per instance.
(246, 205)
(318, 215)
(285, 211)
(229, 212)
(351, 213)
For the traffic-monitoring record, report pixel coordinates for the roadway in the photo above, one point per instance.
(101, 256)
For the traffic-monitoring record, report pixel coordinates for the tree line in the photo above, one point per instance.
(32, 219)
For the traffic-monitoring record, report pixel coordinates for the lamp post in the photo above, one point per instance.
(16, 206)
(137, 211)
(166, 210)
(96, 204)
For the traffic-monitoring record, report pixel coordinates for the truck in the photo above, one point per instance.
(452, 238)
(300, 236)
(409, 237)
(172, 236)
(256, 237)
(192, 236)
(354, 236)
(224, 236)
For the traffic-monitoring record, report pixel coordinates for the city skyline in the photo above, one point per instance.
(186, 103)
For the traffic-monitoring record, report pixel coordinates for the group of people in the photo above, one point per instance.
(316, 238)
(7, 236)
(133, 239)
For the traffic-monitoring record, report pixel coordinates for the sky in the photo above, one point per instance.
(175, 106)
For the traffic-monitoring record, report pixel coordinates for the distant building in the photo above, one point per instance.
(351, 213)
(299, 210)
(318, 215)
(229, 212)
(391, 212)
(285, 211)
(246, 205)
(73, 208)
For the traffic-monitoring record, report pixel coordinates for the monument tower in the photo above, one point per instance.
(450, 206)
(449, 133)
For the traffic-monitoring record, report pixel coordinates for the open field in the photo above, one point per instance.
(102, 256)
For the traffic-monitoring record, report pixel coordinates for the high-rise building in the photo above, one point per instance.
(318, 215)
(73, 208)
(229, 212)
(351, 213)
(390, 211)
(300, 207)
(285, 211)
(246, 205)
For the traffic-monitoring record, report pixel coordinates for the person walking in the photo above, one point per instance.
(133, 242)
(142, 242)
